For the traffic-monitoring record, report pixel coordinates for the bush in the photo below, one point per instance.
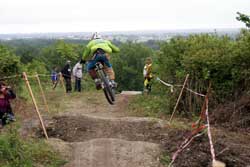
(128, 65)
(16, 152)
(9, 62)
(36, 66)
(207, 57)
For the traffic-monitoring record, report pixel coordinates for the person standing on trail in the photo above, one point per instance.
(77, 73)
(66, 73)
(54, 77)
(147, 73)
(99, 50)
(6, 113)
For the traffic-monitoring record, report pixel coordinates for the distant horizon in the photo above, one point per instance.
(127, 31)
(62, 16)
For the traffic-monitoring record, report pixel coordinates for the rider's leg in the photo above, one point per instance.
(92, 73)
(108, 69)
(91, 69)
(110, 72)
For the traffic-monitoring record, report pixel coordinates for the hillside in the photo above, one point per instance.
(87, 130)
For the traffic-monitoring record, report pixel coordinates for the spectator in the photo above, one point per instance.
(6, 113)
(54, 77)
(66, 73)
(147, 73)
(77, 73)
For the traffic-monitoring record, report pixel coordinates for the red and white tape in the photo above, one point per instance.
(166, 84)
(209, 132)
(10, 77)
(196, 93)
(172, 87)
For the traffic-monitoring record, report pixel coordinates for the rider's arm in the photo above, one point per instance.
(87, 50)
(114, 48)
(86, 53)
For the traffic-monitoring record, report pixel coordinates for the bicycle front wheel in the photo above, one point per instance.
(108, 90)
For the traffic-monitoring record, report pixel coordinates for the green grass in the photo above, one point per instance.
(16, 151)
(165, 159)
(150, 105)
(159, 106)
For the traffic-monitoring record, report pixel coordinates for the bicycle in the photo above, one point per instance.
(107, 86)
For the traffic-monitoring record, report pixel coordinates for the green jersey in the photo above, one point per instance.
(93, 45)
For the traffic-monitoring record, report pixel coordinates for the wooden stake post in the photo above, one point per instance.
(42, 92)
(179, 98)
(34, 102)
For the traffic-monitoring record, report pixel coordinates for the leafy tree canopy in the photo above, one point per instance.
(9, 62)
(243, 18)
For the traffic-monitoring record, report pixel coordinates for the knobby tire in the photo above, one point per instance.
(108, 90)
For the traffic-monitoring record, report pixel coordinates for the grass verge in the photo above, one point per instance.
(150, 105)
(165, 159)
(16, 151)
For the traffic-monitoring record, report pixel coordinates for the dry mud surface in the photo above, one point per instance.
(92, 133)
(99, 135)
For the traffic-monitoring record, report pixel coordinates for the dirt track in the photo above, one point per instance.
(90, 132)
(93, 133)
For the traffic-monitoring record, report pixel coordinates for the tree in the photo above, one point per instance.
(58, 53)
(128, 65)
(240, 59)
(205, 57)
(36, 66)
(9, 62)
(243, 18)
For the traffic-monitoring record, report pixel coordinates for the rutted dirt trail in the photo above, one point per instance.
(89, 132)
(92, 133)
(109, 153)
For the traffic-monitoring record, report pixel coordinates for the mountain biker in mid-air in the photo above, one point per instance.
(99, 50)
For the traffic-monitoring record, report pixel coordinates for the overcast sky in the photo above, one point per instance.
(26, 16)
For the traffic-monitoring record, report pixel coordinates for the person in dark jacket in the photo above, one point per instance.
(66, 73)
(6, 113)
